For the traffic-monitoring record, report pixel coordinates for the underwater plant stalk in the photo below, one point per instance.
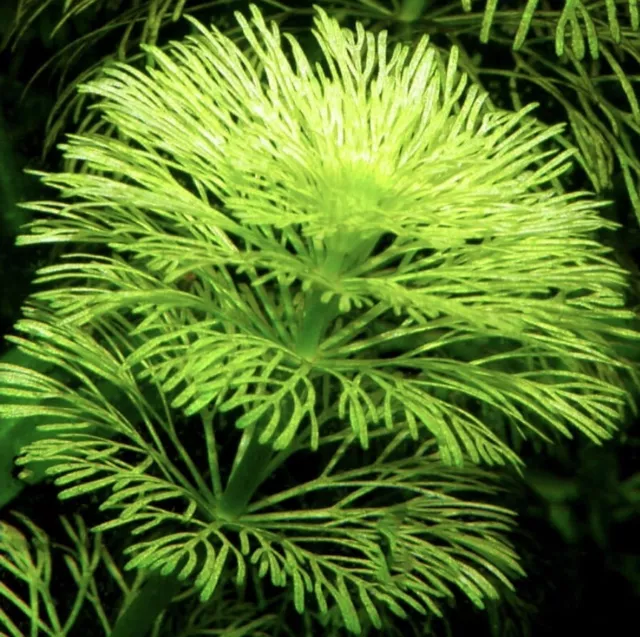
(411, 10)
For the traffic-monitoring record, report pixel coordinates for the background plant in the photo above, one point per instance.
(181, 284)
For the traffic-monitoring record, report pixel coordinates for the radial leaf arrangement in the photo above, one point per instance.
(318, 217)
(363, 251)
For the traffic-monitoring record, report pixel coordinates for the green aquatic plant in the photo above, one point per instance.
(578, 58)
(362, 262)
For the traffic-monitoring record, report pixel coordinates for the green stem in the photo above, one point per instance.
(317, 317)
(154, 596)
(411, 10)
(247, 474)
(338, 253)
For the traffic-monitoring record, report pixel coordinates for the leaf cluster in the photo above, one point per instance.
(394, 270)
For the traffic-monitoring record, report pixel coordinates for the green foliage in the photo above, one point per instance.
(365, 260)
(280, 217)
(26, 553)
(29, 561)
(572, 56)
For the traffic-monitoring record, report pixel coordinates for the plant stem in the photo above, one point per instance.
(155, 595)
(411, 10)
(317, 316)
(247, 474)
(339, 252)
